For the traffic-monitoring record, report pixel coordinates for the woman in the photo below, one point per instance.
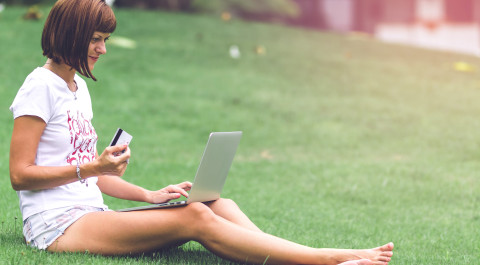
(59, 176)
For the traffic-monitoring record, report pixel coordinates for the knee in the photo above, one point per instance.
(202, 220)
(224, 203)
(201, 213)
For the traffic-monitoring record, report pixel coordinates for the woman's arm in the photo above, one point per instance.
(119, 188)
(25, 175)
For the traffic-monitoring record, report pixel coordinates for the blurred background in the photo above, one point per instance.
(449, 25)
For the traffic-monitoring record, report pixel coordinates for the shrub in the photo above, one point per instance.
(266, 10)
(250, 9)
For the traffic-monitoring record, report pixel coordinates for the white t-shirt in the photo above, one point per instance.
(69, 138)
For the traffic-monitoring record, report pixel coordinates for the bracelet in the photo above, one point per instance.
(78, 174)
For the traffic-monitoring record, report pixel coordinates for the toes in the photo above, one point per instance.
(364, 262)
(383, 259)
(380, 263)
(388, 247)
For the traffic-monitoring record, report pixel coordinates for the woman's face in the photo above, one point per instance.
(96, 47)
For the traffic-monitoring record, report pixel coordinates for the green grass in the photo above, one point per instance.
(347, 143)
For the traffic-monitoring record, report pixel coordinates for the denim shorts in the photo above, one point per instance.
(42, 229)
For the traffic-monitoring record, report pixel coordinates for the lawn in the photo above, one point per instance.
(348, 142)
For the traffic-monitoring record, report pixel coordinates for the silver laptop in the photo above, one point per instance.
(211, 174)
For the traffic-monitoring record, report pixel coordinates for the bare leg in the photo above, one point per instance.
(239, 244)
(229, 210)
(112, 233)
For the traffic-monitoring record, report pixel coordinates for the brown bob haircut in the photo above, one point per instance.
(69, 29)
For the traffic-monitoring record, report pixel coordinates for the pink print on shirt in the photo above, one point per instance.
(83, 138)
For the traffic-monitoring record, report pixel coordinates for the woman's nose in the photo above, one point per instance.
(101, 48)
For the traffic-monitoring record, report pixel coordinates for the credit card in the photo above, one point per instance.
(121, 137)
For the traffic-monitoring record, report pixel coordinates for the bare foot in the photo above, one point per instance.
(377, 256)
(383, 253)
(358, 262)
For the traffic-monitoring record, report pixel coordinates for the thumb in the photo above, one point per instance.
(117, 148)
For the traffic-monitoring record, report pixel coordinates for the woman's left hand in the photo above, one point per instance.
(171, 192)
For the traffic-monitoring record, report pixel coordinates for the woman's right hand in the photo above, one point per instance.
(25, 174)
(113, 160)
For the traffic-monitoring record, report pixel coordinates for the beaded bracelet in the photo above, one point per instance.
(78, 174)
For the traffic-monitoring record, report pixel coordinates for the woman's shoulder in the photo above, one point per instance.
(35, 81)
(42, 75)
(34, 96)
(42, 81)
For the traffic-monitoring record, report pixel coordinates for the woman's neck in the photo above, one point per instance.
(64, 71)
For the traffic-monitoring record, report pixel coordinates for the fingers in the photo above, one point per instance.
(173, 196)
(187, 185)
(162, 196)
(170, 192)
(114, 160)
(120, 152)
(177, 189)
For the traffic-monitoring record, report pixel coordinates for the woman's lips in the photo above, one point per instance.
(93, 58)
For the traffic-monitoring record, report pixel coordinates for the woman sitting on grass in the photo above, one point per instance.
(59, 176)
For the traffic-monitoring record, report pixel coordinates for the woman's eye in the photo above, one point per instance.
(95, 39)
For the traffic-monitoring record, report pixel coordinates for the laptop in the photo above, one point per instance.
(211, 173)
